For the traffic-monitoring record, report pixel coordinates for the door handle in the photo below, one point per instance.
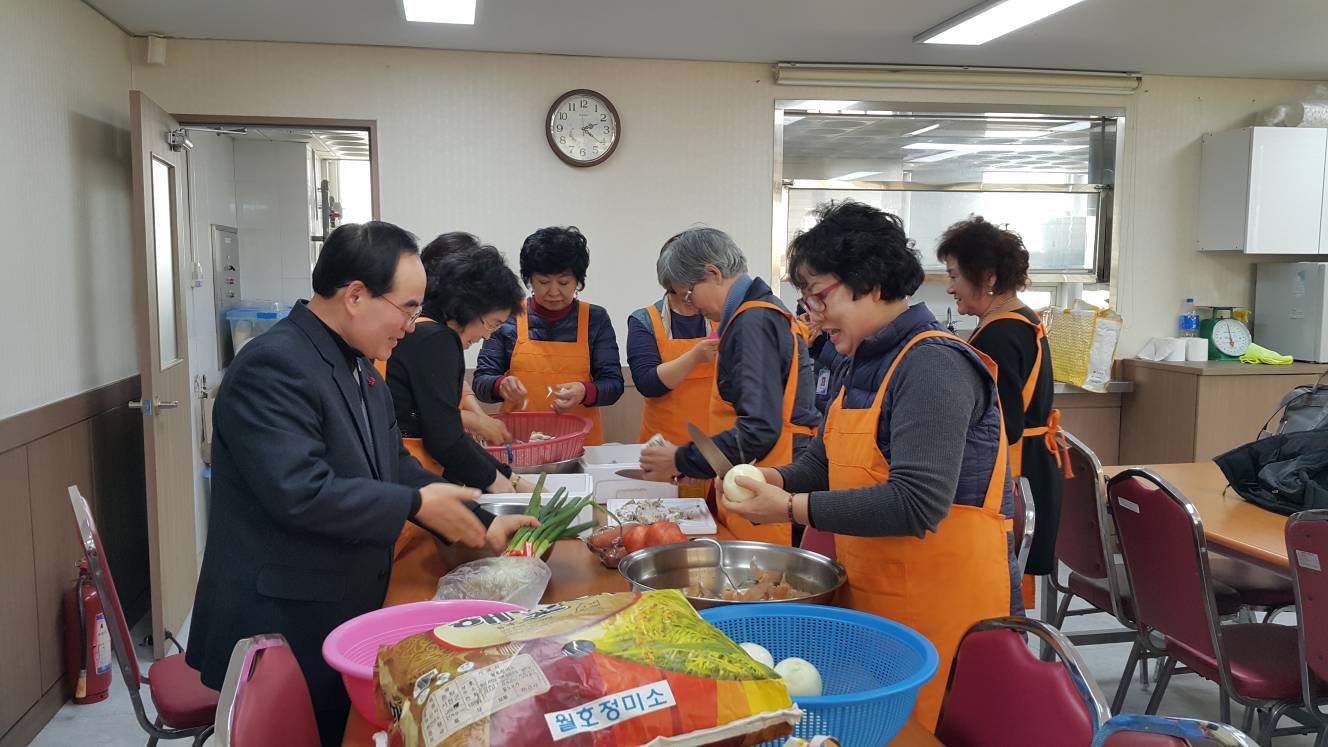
(148, 406)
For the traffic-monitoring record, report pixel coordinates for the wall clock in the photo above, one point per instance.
(583, 128)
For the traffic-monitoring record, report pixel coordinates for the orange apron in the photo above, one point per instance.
(1053, 436)
(724, 417)
(540, 364)
(939, 585)
(669, 415)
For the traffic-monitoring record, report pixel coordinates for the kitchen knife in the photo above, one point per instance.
(710, 451)
(631, 474)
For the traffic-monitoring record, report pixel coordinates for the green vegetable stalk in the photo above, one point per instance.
(555, 516)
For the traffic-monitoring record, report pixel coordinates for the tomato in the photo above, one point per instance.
(664, 533)
(634, 538)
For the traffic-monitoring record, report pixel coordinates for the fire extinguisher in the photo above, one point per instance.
(87, 641)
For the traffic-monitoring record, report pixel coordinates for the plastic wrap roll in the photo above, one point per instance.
(1307, 114)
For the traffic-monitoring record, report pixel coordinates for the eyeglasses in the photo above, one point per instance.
(491, 328)
(816, 301)
(411, 316)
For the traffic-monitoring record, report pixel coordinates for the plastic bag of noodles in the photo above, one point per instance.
(613, 669)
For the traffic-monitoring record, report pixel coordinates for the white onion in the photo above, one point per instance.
(800, 677)
(735, 492)
(758, 652)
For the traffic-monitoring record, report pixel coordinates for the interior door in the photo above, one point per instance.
(160, 225)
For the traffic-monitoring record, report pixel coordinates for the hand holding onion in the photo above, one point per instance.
(760, 501)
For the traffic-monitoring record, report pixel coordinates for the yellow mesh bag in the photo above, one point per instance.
(1083, 344)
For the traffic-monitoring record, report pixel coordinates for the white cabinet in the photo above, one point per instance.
(1262, 191)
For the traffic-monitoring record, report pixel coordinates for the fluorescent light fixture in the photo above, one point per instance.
(933, 158)
(982, 23)
(1073, 126)
(921, 130)
(852, 176)
(1013, 134)
(981, 148)
(440, 11)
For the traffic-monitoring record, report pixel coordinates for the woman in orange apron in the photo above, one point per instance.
(672, 358)
(562, 354)
(987, 266)
(910, 468)
(760, 407)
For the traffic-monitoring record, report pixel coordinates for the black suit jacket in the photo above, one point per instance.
(304, 512)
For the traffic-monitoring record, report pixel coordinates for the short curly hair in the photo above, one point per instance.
(553, 251)
(980, 249)
(863, 246)
(467, 279)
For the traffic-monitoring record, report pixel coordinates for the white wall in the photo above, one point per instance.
(68, 309)
(1160, 264)
(272, 196)
(461, 147)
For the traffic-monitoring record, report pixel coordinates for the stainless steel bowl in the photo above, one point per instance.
(679, 566)
(511, 509)
(565, 467)
(504, 509)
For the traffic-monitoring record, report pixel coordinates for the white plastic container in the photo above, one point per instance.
(615, 454)
(578, 486)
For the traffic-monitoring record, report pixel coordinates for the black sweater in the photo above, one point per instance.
(425, 375)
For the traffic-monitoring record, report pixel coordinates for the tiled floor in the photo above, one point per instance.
(111, 722)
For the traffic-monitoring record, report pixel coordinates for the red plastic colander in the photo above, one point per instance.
(569, 434)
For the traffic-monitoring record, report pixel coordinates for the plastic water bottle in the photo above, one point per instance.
(1189, 319)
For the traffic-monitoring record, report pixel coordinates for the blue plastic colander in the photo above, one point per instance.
(871, 667)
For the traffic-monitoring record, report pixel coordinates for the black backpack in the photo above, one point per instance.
(1285, 473)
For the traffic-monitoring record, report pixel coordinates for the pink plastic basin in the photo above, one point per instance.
(352, 649)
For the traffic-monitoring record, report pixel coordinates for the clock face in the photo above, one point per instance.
(583, 128)
(1230, 337)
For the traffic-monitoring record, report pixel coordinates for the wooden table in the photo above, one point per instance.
(576, 573)
(1232, 525)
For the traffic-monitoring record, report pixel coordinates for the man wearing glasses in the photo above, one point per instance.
(311, 485)
(761, 407)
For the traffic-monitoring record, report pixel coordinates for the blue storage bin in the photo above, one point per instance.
(251, 320)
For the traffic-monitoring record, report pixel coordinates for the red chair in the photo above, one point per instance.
(1000, 694)
(1086, 543)
(1166, 558)
(1307, 547)
(185, 707)
(1161, 731)
(265, 700)
(1024, 519)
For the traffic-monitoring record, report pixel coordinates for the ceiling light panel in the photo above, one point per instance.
(991, 20)
(440, 11)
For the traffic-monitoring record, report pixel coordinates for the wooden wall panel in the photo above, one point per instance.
(20, 666)
(1232, 409)
(55, 462)
(622, 421)
(1158, 418)
(122, 512)
(1094, 419)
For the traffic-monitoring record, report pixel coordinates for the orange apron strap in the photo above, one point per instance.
(1030, 386)
(583, 327)
(656, 323)
(522, 328)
